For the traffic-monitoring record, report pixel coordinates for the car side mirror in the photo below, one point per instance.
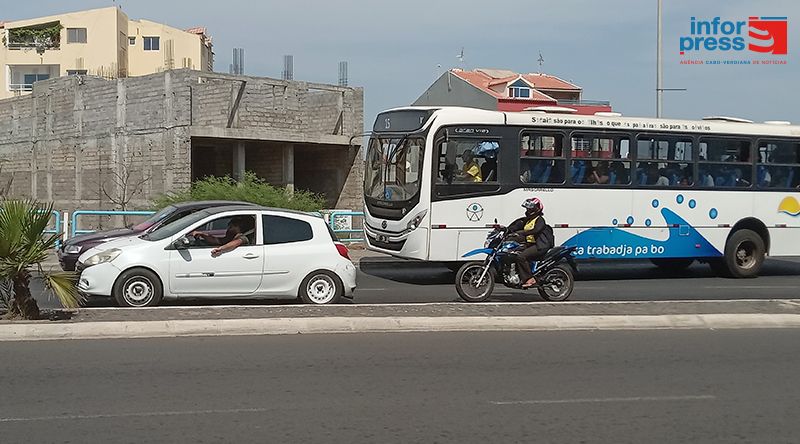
(182, 243)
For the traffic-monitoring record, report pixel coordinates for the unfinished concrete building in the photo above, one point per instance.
(72, 139)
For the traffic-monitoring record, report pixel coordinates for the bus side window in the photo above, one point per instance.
(778, 164)
(467, 161)
(542, 159)
(725, 162)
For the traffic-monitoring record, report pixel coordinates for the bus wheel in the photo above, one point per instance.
(744, 254)
(672, 264)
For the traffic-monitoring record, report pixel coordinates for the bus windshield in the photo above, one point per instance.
(393, 167)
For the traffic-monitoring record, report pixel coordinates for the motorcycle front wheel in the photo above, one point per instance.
(467, 285)
(557, 284)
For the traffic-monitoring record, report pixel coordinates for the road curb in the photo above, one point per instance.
(317, 325)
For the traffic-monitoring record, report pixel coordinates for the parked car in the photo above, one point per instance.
(287, 254)
(71, 249)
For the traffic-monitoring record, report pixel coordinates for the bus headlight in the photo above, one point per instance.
(414, 223)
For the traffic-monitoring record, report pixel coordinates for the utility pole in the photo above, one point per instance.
(659, 73)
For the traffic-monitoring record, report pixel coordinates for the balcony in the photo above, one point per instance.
(568, 102)
(22, 77)
(40, 37)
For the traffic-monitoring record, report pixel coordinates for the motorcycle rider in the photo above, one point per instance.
(535, 236)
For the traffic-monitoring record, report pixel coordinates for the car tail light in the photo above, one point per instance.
(342, 249)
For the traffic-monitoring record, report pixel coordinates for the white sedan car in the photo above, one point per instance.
(284, 254)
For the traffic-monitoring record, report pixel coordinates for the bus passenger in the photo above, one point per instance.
(662, 180)
(599, 174)
(489, 170)
(471, 171)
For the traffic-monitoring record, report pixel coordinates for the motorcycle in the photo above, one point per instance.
(553, 273)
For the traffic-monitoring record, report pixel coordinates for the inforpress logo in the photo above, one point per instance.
(756, 36)
(769, 34)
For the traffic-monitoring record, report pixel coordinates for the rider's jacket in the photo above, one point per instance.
(534, 230)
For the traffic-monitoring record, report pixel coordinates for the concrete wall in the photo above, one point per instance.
(71, 140)
(455, 92)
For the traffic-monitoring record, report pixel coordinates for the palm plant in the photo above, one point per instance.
(24, 245)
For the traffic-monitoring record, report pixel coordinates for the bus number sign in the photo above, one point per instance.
(471, 131)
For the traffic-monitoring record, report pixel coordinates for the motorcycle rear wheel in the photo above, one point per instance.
(557, 284)
(467, 285)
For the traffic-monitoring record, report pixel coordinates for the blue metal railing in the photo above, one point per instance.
(74, 220)
(57, 228)
(332, 223)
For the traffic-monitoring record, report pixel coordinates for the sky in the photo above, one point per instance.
(395, 50)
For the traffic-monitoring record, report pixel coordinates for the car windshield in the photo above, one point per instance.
(154, 219)
(393, 167)
(176, 227)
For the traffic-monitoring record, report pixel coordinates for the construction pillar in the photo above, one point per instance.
(238, 161)
(288, 167)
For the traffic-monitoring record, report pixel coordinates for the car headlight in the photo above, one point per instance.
(414, 223)
(103, 257)
(72, 249)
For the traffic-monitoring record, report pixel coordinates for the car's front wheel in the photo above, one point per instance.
(138, 287)
(321, 287)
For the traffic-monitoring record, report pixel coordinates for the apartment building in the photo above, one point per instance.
(101, 42)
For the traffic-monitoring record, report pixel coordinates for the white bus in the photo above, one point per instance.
(720, 190)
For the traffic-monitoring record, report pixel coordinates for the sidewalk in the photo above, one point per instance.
(106, 323)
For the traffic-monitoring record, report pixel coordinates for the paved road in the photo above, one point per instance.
(654, 386)
(387, 282)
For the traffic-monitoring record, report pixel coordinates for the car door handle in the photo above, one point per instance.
(250, 256)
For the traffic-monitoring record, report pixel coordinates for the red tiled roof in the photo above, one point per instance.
(546, 81)
(198, 30)
(481, 79)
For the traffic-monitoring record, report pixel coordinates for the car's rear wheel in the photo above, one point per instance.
(138, 287)
(320, 288)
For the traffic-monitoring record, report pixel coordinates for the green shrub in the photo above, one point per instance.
(251, 189)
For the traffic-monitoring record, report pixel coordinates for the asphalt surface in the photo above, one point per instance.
(648, 386)
(384, 281)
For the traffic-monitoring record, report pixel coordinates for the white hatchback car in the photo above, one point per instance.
(287, 254)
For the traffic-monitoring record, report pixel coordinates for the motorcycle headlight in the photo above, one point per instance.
(414, 223)
(103, 257)
(72, 249)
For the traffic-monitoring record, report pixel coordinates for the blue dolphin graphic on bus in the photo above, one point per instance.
(614, 243)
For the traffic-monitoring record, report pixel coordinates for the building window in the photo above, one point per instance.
(132, 41)
(151, 43)
(29, 79)
(519, 92)
(76, 72)
(76, 35)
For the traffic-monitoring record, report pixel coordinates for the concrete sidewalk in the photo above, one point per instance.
(90, 323)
